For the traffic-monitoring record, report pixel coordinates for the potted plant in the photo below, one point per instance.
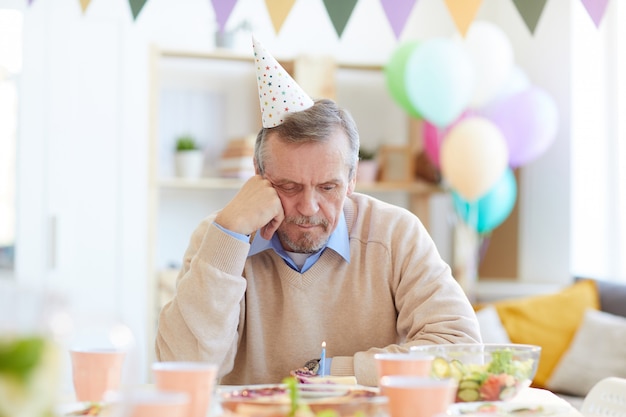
(189, 158)
(367, 170)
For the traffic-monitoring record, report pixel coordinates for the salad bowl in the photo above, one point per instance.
(484, 372)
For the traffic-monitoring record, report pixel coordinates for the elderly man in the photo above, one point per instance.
(298, 258)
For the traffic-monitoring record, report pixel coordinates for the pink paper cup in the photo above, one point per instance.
(149, 403)
(402, 364)
(197, 379)
(95, 372)
(417, 396)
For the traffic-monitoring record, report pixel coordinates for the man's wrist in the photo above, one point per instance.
(240, 236)
(313, 365)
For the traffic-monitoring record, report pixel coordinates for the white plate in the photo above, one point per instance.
(508, 409)
(274, 399)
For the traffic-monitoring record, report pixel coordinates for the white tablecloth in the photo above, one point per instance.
(544, 397)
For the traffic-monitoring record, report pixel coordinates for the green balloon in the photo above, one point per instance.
(395, 76)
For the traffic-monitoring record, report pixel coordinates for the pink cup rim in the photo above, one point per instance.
(410, 381)
(111, 351)
(173, 366)
(402, 356)
(160, 397)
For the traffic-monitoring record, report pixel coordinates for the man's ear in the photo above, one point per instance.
(351, 185)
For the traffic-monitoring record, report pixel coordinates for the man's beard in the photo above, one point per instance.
(306, 242)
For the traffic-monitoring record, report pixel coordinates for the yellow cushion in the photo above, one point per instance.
(549, 321)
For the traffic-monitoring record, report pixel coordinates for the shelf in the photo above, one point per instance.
(215, 183)
(227, 55)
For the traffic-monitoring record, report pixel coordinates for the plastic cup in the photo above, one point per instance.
(417, 396)
(95, 372)
(402, 364)
(197, 379)
(148, 403)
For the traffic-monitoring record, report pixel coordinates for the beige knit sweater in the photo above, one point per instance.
(259, 319)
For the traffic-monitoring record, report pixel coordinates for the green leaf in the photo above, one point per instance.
(294, 394)
(19, 357)
(186, 143)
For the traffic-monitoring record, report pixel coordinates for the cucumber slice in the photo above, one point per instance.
(440, 368)
(468, 395)
(469, 384)
(457, 369)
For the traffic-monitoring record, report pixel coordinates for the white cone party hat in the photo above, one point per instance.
(279, 94)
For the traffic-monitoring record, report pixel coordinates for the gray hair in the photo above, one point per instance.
(314, 124)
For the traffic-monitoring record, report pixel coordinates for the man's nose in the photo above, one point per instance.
(307, 203)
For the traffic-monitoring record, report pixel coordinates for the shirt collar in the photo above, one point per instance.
(338, 241)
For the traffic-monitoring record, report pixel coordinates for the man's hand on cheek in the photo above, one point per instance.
(256, 206)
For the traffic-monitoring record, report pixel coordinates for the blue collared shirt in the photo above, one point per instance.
(338, 241)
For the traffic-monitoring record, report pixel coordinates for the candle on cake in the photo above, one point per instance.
(322, 370)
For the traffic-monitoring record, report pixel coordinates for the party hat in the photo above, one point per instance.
(279, 94)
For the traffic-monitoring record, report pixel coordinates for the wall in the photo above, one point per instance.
(82, 222)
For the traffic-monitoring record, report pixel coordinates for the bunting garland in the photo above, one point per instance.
(339, 12)
(84, 4)
(596, 9)
(223, 9)
(136, 6)
(463, 13)
(530, 10)
(397, 12)
(279, 10)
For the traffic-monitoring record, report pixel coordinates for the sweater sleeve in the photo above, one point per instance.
(431, 306)
(201, 322)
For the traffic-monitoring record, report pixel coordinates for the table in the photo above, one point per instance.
(526, 396)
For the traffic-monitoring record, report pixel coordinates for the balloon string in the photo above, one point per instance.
(473, 223)
(472, 215)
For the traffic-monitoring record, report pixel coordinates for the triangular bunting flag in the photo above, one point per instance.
(84, 4)
(463, 13)
(278, 10)
(530, 10)
(136, 6)
(397, 12)
(596, 9)
(223, 9)
(339, 12)
(30, 2)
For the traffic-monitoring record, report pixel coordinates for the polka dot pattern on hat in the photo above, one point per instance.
(279, 94)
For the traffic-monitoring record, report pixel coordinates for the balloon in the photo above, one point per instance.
(439, 80)
(528, 121)
(491, 54)
(433, 136)
(516, 82)
(473, 157)
(395, 76)
(489, 211)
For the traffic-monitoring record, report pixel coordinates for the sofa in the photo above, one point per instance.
(581, 329)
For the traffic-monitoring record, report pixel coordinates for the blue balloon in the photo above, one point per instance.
(439, 80)
(490, 210)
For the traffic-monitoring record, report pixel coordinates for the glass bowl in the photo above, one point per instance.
(484, 372)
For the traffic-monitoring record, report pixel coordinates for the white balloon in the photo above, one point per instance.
(516, 82)
(474, 156)
(493, 59)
